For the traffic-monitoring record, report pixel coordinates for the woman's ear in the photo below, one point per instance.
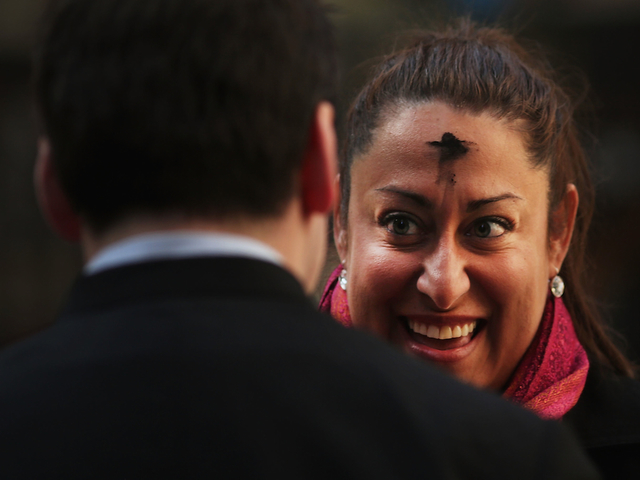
(339, 228)
(54, 204)
(561, 230)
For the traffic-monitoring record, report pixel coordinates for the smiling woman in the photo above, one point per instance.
(464, 194)
(427, 257)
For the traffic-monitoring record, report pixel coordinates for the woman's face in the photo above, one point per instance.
(447, 247)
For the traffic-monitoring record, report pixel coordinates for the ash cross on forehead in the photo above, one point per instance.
(450, 147)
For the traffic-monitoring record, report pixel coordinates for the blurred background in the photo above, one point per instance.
(599, 37)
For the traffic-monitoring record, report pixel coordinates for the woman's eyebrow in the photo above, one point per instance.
(416, 197)
(425, 202)
(476, 204)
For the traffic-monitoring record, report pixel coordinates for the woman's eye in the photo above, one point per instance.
(401, 226)
(488, 229)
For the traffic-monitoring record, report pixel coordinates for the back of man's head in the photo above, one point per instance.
(201, 107)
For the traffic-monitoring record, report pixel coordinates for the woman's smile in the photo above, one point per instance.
(438, 338)
(465, 195)
(447, 255)
(433, 329)
(447, 347)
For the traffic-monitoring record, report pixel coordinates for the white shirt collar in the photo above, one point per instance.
(181, 244)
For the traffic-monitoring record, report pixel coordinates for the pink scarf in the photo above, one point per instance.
(550, 376)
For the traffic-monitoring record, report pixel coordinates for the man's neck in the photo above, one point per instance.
(179, 245)
(93, 244)
(292, 236)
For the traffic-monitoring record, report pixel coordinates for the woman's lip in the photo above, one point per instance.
(441, 328)
(443, 351)
(441, 320)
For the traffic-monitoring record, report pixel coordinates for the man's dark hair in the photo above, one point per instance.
(200, 107)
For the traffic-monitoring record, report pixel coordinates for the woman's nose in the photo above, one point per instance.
(444, 278)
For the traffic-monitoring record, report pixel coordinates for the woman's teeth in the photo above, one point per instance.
(442, 333)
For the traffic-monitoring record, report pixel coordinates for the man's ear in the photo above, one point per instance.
(320, 162)
(339, 229)
(54, 204)
(562, 222)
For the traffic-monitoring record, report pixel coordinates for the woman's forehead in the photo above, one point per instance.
(450, 147)
(441, 131)
(436, 113)
(431, 142)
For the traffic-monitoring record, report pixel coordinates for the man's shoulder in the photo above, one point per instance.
(311, 386)
(229, 370)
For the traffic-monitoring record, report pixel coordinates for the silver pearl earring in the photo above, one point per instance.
(342, 279)
(557, 285)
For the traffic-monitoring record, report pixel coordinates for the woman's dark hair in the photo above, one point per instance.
(481, 69)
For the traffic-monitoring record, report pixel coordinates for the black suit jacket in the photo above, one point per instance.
(222, 368)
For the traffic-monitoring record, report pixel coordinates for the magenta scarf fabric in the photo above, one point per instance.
(550, 376)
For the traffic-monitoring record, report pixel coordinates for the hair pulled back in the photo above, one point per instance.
(481, 69)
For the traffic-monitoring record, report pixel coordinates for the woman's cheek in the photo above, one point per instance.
(378, 283)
